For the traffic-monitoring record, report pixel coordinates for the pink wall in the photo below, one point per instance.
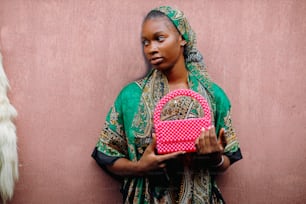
(67, 60)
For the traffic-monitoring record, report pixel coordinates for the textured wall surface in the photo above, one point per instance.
(67, 61)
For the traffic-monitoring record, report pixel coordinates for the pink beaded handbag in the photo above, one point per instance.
(179, 135)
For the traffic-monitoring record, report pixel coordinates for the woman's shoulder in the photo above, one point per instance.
(219, 94)
(134, 86)
(217, 89)
(130, 86)
(131, 89)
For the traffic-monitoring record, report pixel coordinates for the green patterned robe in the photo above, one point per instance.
(128, 131)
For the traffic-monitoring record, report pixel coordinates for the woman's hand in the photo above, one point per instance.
(148, 162)
(212, 149)
(207, 142)
(152, 161)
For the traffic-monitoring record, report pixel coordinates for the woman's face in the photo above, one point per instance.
(162, 43)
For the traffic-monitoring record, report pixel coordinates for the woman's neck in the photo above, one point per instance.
(177, 78)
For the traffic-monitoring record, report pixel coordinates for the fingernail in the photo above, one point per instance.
(203, 129)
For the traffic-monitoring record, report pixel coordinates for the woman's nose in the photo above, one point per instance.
(153, 48)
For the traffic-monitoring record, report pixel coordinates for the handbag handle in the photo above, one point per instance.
(182, 92)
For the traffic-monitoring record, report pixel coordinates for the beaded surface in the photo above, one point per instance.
(179, 135)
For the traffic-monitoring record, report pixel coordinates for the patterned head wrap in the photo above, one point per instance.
(194, 59)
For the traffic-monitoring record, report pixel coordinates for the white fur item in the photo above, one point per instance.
(8, 141)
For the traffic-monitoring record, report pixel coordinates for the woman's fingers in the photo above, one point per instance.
(150, 160)
(162, 158)
(212, 136)
(221, 139)
(152, 145)
(162, 165)
(172, 155)
(207, 142)
(207, 139)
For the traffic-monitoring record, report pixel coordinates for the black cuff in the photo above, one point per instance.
(234, 156)
(103, 160)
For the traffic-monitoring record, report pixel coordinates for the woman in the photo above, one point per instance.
(126, 146)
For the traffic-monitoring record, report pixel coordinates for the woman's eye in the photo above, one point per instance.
(145, 42)
(160, 38)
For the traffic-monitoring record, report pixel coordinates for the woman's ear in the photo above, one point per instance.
(183, 43)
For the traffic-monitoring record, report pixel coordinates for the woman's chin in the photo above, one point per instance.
(160, 67)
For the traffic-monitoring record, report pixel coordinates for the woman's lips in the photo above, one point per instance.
(156, 61)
